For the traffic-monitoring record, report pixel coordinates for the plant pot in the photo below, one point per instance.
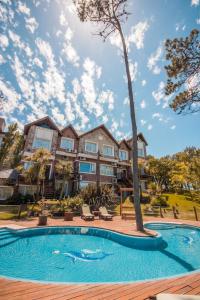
(68, 216)
(42, 220)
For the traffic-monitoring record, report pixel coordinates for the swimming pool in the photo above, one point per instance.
(91, 255)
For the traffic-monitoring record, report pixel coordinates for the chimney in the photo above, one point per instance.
(2, 124)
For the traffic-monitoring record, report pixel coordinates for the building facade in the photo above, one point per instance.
(96, 156)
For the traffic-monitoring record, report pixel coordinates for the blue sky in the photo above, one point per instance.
(51, 64)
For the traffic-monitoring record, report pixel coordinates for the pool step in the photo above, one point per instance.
(7, 237)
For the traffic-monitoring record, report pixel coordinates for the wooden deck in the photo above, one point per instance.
(18, 290)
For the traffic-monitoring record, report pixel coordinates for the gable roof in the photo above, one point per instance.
(103, 127)
(72, 128)
(38, 122)
(125, 142)
(141, 137)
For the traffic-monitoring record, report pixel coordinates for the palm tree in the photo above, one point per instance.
(37, 168)
(63, 168)
(110, 14)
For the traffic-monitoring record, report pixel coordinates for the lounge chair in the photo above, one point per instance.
(174, 297)
(86, 214)
(104, 213)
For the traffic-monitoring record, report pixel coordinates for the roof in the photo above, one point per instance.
(9, 174)
(37, 122)
(102, 126)
(141, 137)
(125, 142)
(72, 128)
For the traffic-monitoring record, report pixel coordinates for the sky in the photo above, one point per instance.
(52, 64)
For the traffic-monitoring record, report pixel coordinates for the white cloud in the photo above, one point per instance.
(143, 122)
(126, 101)
(149, 127)
(156, 115)
(106, 97)
(105, 119)
(12, 97)
(198, 21)
(133, 70)
(45, 49)
(173, 127)
(38, 62)
(17, 42)
(159, 95)
(58, 116)
(88, 88)
(137, 34)
(143, 104)
(23, 8)
(68, 34)
(194, 2)
(143, 82)
(24, 83)
(133, 67)
(63, 21)
(70, 54)
(54, 84)
(2, 60)
(153, 60)
(115, 40)
(3, 41)
(31, 24)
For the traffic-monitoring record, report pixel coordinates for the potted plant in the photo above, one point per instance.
(43, 215)
(68, 215)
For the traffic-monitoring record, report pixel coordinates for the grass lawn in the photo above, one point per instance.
(184, 202)
(11, 216)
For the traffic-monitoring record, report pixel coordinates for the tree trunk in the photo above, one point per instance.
(37, 190)
(62, 189)
(138, 212)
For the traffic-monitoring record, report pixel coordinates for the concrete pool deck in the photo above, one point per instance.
(19, 290)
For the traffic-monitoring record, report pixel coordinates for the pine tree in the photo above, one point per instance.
(110, 15)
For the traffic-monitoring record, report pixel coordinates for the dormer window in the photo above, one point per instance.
(123, 155)
(67, 144)
(108, 150)
(141, 149)
(43, 138)
(91, 147)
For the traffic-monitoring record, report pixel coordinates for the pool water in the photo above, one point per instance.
(67, 255)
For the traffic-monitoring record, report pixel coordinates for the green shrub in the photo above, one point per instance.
(95, 198)
(74, 203)
(20, 199)
(160, 201)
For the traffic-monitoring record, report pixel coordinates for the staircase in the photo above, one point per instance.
(49, 192)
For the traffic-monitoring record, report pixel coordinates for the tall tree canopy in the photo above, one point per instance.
(184, 73)
(109, 15)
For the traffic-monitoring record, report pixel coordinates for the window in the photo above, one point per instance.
(86, 167)
(67, 143)
(43, 138)
(83, 184)
(108, 150)
(123, 155)
(91, 147)
(41, 143)
(140, 149)
(1, 140)
(27, 165)
(106, 170)
(141, 152)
